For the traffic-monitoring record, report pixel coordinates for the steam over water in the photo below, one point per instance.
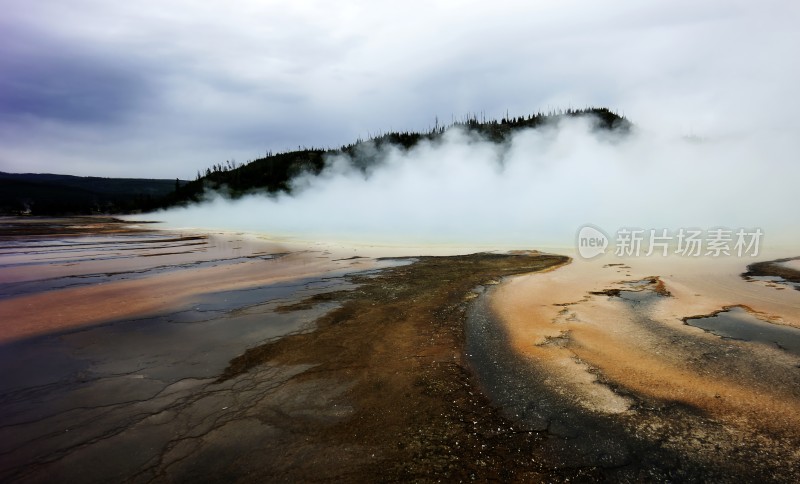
(535, 190)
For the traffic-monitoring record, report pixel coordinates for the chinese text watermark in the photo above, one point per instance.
(592, 241)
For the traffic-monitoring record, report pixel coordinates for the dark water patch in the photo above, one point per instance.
(83, 242)
(31, 287)
(96, 248)
(739, 324)
(90, 253)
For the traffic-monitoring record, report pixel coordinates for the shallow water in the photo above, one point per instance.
(105, 399)
(737, 323)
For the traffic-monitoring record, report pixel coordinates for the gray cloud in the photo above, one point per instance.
(51, 82)
(164, 88)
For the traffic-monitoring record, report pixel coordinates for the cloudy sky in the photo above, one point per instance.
(164, 88)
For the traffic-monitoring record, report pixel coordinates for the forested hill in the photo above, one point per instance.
(45, 194)
(274, 172)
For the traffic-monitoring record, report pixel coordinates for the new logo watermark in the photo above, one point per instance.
(592, 241)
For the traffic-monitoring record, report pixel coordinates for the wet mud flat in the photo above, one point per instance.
(238, 361)
(149, 356)
(112, 341)
(612, 371)
(412, 409)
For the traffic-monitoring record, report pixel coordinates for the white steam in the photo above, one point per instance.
(536, 190)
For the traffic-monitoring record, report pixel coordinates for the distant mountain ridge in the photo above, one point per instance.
(52, 194)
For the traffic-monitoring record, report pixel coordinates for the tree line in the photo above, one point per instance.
(274, 172)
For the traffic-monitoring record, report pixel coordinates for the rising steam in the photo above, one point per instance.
(535, 190)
